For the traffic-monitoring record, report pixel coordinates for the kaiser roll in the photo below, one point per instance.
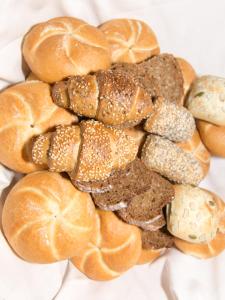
(26, 111)
(206, 100)
(46, 219)
(131, 40)
(150, 255)
(198, 150)
(114, 248)
(189, 75)
(65, 46)
(213, 136)
(213, 247)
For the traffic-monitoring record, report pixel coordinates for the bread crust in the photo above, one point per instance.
(213, 137)
(130, 40)
(46, 219)
(114, 248)
(27, 110)
(65, 46)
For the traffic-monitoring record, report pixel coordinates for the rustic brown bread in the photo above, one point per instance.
(130, 40)
(157, 239)
(126, 184)
(112, 97)
(171, 161)
(46, 219)
(65, 46)
(27, 110)
(88, 151)
(113, 249)
(171, 121)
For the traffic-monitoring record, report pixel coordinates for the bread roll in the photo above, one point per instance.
(195, 147)
(26, 111)
(189, 75)
(213, 136)
(46, 219)
(165, 157)
(31, 76)
(206, 100)
(193, 215)
(130, 40)
(212, 248)
(114, 248)
(171, 121)
(150, 255)
(65, 46)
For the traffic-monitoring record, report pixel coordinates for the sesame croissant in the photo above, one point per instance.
(112, 97)
(88, 151)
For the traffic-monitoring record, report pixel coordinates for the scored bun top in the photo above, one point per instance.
(131, 40)
(46, 219)
(27, 110)
(65, 46)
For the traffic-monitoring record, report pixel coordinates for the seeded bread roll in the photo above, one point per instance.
(65, 46)
(213, 137)
(195, 147)
(211, 248)
(169, 160)
(189, 75)
(133, 182)
(113, 249)
(46, 219)
(193, 215)
(130, 40)
(27, 110)
(111, 97)
(207, 99)
(90, 151)
(170, 121)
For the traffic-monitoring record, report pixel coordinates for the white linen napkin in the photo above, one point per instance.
(193, 29)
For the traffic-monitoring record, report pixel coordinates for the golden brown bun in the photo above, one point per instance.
(46, 219)
(213, 137)
(148, 256)
(114, 248)
(212, 248)
(31, 76)
(26, 111)
(65, 46)
(198, 150)
(189, 75)
(131, 40)
(138, 134)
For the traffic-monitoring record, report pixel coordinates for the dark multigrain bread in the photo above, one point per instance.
(165, 69)
(127, 184)
(161, 76)
(145, 209)
(157, 239)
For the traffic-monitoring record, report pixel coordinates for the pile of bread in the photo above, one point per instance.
(105, 126)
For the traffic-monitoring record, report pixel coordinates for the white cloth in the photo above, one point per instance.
(193, 29)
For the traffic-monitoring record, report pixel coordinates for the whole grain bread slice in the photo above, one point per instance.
(156, 239)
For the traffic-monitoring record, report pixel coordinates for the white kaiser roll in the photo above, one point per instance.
(65, 46)
(193, 215)
(27, 110)
(46, 219)
(206, 100)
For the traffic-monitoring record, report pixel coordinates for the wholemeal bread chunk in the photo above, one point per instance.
(145, 210)
(166, 158)
(161, 76)
(157, 239)
(126, 184)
